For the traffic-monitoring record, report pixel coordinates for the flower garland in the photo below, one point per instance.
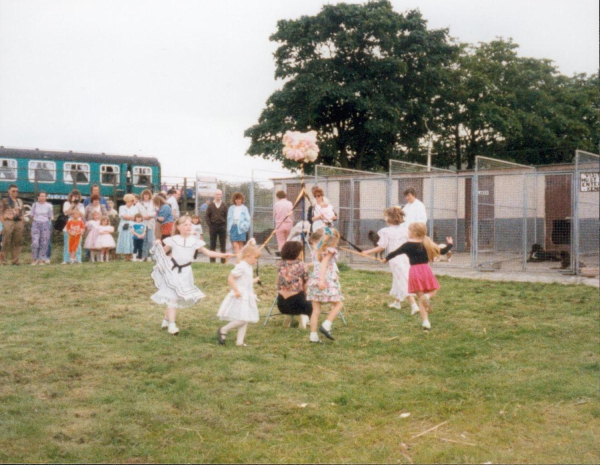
(300, 146)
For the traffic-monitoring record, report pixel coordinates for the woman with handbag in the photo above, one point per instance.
(238, 222)
(164, 217)
(127, 214)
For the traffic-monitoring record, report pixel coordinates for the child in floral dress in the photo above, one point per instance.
(324, 281)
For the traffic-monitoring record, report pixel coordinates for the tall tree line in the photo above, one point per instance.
(379, 85)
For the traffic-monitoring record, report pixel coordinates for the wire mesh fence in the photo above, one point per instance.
(586, 229)
(503, 216)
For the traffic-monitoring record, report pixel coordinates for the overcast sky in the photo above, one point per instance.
(182, 79)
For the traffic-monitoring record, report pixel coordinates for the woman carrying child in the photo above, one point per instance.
(324, 281)
(173, 275)
(164, 217)
(239, 306)
(421, 250)
(391, 238)
(292, 283)
(105, 240)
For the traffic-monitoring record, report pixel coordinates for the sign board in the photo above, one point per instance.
(483, 192)
(589, 182)
(206, 187)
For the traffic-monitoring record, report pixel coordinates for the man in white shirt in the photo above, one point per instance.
(172, 200)
(414, 210)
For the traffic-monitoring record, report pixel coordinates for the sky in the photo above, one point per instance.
(181, 80)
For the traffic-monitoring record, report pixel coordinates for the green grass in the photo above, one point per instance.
(88, 376)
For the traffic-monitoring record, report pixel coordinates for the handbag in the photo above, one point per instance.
(61, 222)
(125, 227)
(167, 229)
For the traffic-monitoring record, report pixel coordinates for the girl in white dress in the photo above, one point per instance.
(239, 306)
(105, 240)
(173, 275)
(391, 238)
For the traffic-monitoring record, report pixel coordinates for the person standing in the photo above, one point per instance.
(11, 211)
(95, 190)
(148, 211)
(72, 204)
(283, 219)
(216, 219)
(173, 201)
(42, 215)
(238, 222)
(414, 210)
(127, 214)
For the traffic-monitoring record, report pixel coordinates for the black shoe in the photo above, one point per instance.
(326, 333)
(220, 337)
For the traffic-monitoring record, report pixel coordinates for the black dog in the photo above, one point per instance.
(374, 238)
(261, 237)
(538, 254)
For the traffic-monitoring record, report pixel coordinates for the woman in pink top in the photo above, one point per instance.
(283, 220)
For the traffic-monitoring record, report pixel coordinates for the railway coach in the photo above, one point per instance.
(57, 173)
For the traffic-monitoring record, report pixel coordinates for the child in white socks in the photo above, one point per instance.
(239, 306)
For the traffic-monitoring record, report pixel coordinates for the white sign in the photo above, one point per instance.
(590, 182)
(206, 187)
(483, 192)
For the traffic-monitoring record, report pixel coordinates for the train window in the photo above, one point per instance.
(109, 174)
(43, 171)
(78, 172)
(8, 169)
(142, 175)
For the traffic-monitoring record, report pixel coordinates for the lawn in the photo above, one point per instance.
(509, 373)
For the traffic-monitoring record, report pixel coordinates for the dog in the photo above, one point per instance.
(374, 239)
(261, 237)
(538, 254)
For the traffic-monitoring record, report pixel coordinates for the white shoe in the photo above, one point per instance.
(174, 330)
(47, 261)
(426, 325)
(64, 263)
(134, 259)
(164, 325)
(414, 311)
(395, 304)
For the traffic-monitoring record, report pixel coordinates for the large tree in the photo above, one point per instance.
(498, 104)
(363, 76)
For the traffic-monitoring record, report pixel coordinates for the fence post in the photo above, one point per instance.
(474, 219)
(184, 195)
(524, 232)
(252, 205)
(575, 218)
(431, 204)
(351, 224)
(388, 193)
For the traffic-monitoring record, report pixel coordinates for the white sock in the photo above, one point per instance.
(414, 306)
(314, 337)
(305, 319)
(327, 325)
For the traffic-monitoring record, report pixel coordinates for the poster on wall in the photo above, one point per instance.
(590, 182)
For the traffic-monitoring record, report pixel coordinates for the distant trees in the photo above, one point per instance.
(375, 84)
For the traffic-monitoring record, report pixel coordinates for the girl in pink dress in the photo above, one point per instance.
(105, 240)
(92, 235)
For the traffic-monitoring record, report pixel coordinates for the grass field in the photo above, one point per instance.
(510, 371)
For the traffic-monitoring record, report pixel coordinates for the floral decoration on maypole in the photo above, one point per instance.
(301, 147)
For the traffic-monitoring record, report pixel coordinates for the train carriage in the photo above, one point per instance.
(57, 173)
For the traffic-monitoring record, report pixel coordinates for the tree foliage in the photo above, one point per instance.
(376, 84)
(362, 76)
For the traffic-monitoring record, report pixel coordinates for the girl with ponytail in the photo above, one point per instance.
(421, 250)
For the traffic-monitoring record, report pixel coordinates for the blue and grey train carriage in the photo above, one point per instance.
(57, 173)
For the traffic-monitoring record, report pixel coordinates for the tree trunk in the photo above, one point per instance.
(457, 147)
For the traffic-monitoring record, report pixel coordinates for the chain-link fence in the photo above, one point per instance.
(444, 194)
(503, 216)
(586, 227)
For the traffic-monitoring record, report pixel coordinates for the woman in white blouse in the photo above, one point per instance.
(148, 211)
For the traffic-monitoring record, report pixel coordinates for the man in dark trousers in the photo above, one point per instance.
(216, 219)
